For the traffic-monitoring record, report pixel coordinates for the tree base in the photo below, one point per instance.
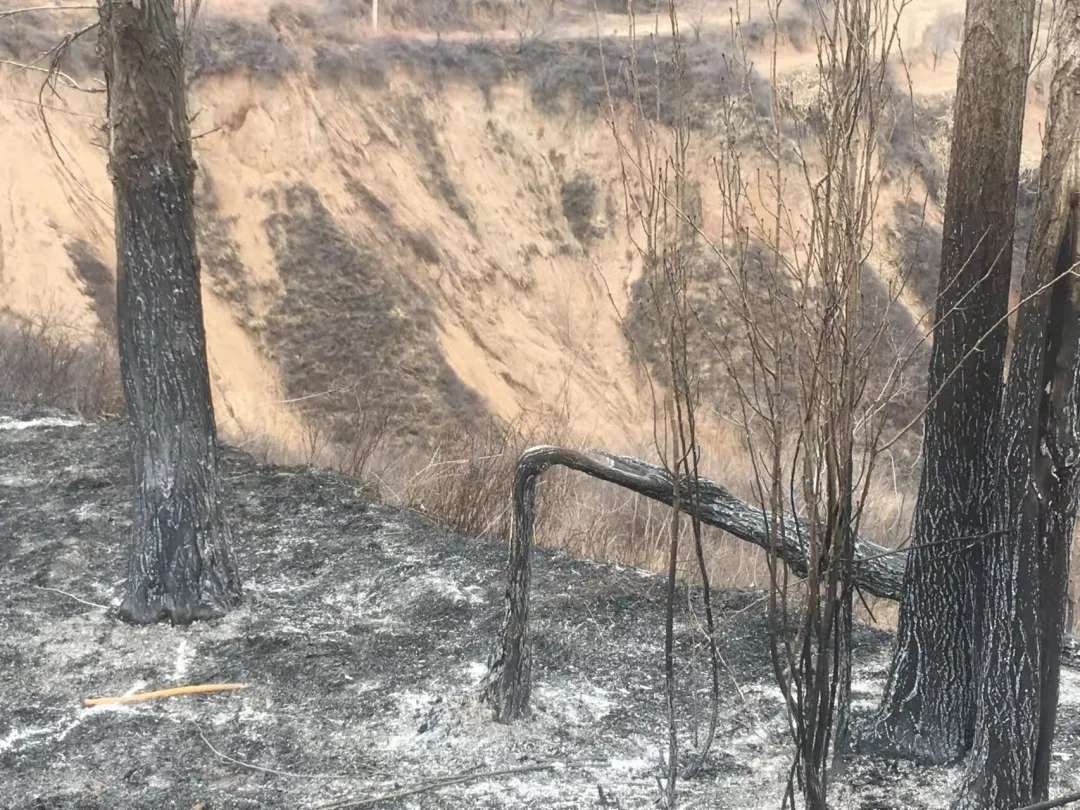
(506, 692)
(142, 611)
(1001, 789)
(899, 738)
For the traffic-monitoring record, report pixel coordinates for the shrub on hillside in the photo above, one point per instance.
(47, 364)
(370, 62)
(28, 38)
(794, 27)
(612, 6)
(557, 72)
(433, 15)
(220, 45)
(98, 281)
(918, 124)
(579, 205)
(349, 319)
(586, 72)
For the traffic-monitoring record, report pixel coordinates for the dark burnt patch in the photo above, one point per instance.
(364, 633)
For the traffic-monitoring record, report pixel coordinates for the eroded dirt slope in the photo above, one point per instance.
(433, 225)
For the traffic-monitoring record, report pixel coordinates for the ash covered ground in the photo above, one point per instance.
(364, 633)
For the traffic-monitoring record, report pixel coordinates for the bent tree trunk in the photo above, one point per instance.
(1040, 450)
(877, 570)
(180, 565)
(928, 710)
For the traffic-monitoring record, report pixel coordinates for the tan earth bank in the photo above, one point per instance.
(438, 193)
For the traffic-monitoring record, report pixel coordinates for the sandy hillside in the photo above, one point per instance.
(384, 220)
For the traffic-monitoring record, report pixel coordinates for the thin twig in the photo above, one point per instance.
(326, 393)
(974, 539)
(31, 9)
(1072, 271)
(68, 80)
(71, 596)
(57, 55)
(61, 110)
(139, 697)
(1061, 801)
(436, 784)
(261, 769)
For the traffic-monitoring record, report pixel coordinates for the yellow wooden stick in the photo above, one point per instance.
(163, 693)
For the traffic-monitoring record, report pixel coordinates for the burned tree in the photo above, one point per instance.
(508, 684)
(1039, 450)
(815, 359)
(180, 566)
(971, 625)
(876, 570)
(928, 710)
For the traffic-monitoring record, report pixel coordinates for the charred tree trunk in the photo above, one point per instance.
(508, 684)
(180, 565)
(1040, 450)
(928, 710)
(876, 570)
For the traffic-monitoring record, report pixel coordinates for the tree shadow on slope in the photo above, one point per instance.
(350, 321)
(220, 253)
(718, 345)
(917, 245)
(97, 281)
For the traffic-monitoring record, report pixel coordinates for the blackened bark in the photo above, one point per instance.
(928, 709)
(180, 564)
(1037, 497)
(508, 684)
(876, 570)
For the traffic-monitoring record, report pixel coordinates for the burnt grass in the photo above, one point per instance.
(363, 633)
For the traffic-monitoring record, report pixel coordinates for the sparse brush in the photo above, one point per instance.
(46, 363)
(579, 205)
(465, 482)
(220, 45)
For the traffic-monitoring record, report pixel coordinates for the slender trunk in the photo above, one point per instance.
(508, 684)
(180, 565)
(672, 769)
(928, 709)
(1040, 449)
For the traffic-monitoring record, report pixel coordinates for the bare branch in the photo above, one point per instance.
(68, 80)
(877, 570)
(35, 9)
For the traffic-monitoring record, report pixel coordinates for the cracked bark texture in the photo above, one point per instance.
(1037, 495)
(928, 710)
(180, 563)
(877, 570)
